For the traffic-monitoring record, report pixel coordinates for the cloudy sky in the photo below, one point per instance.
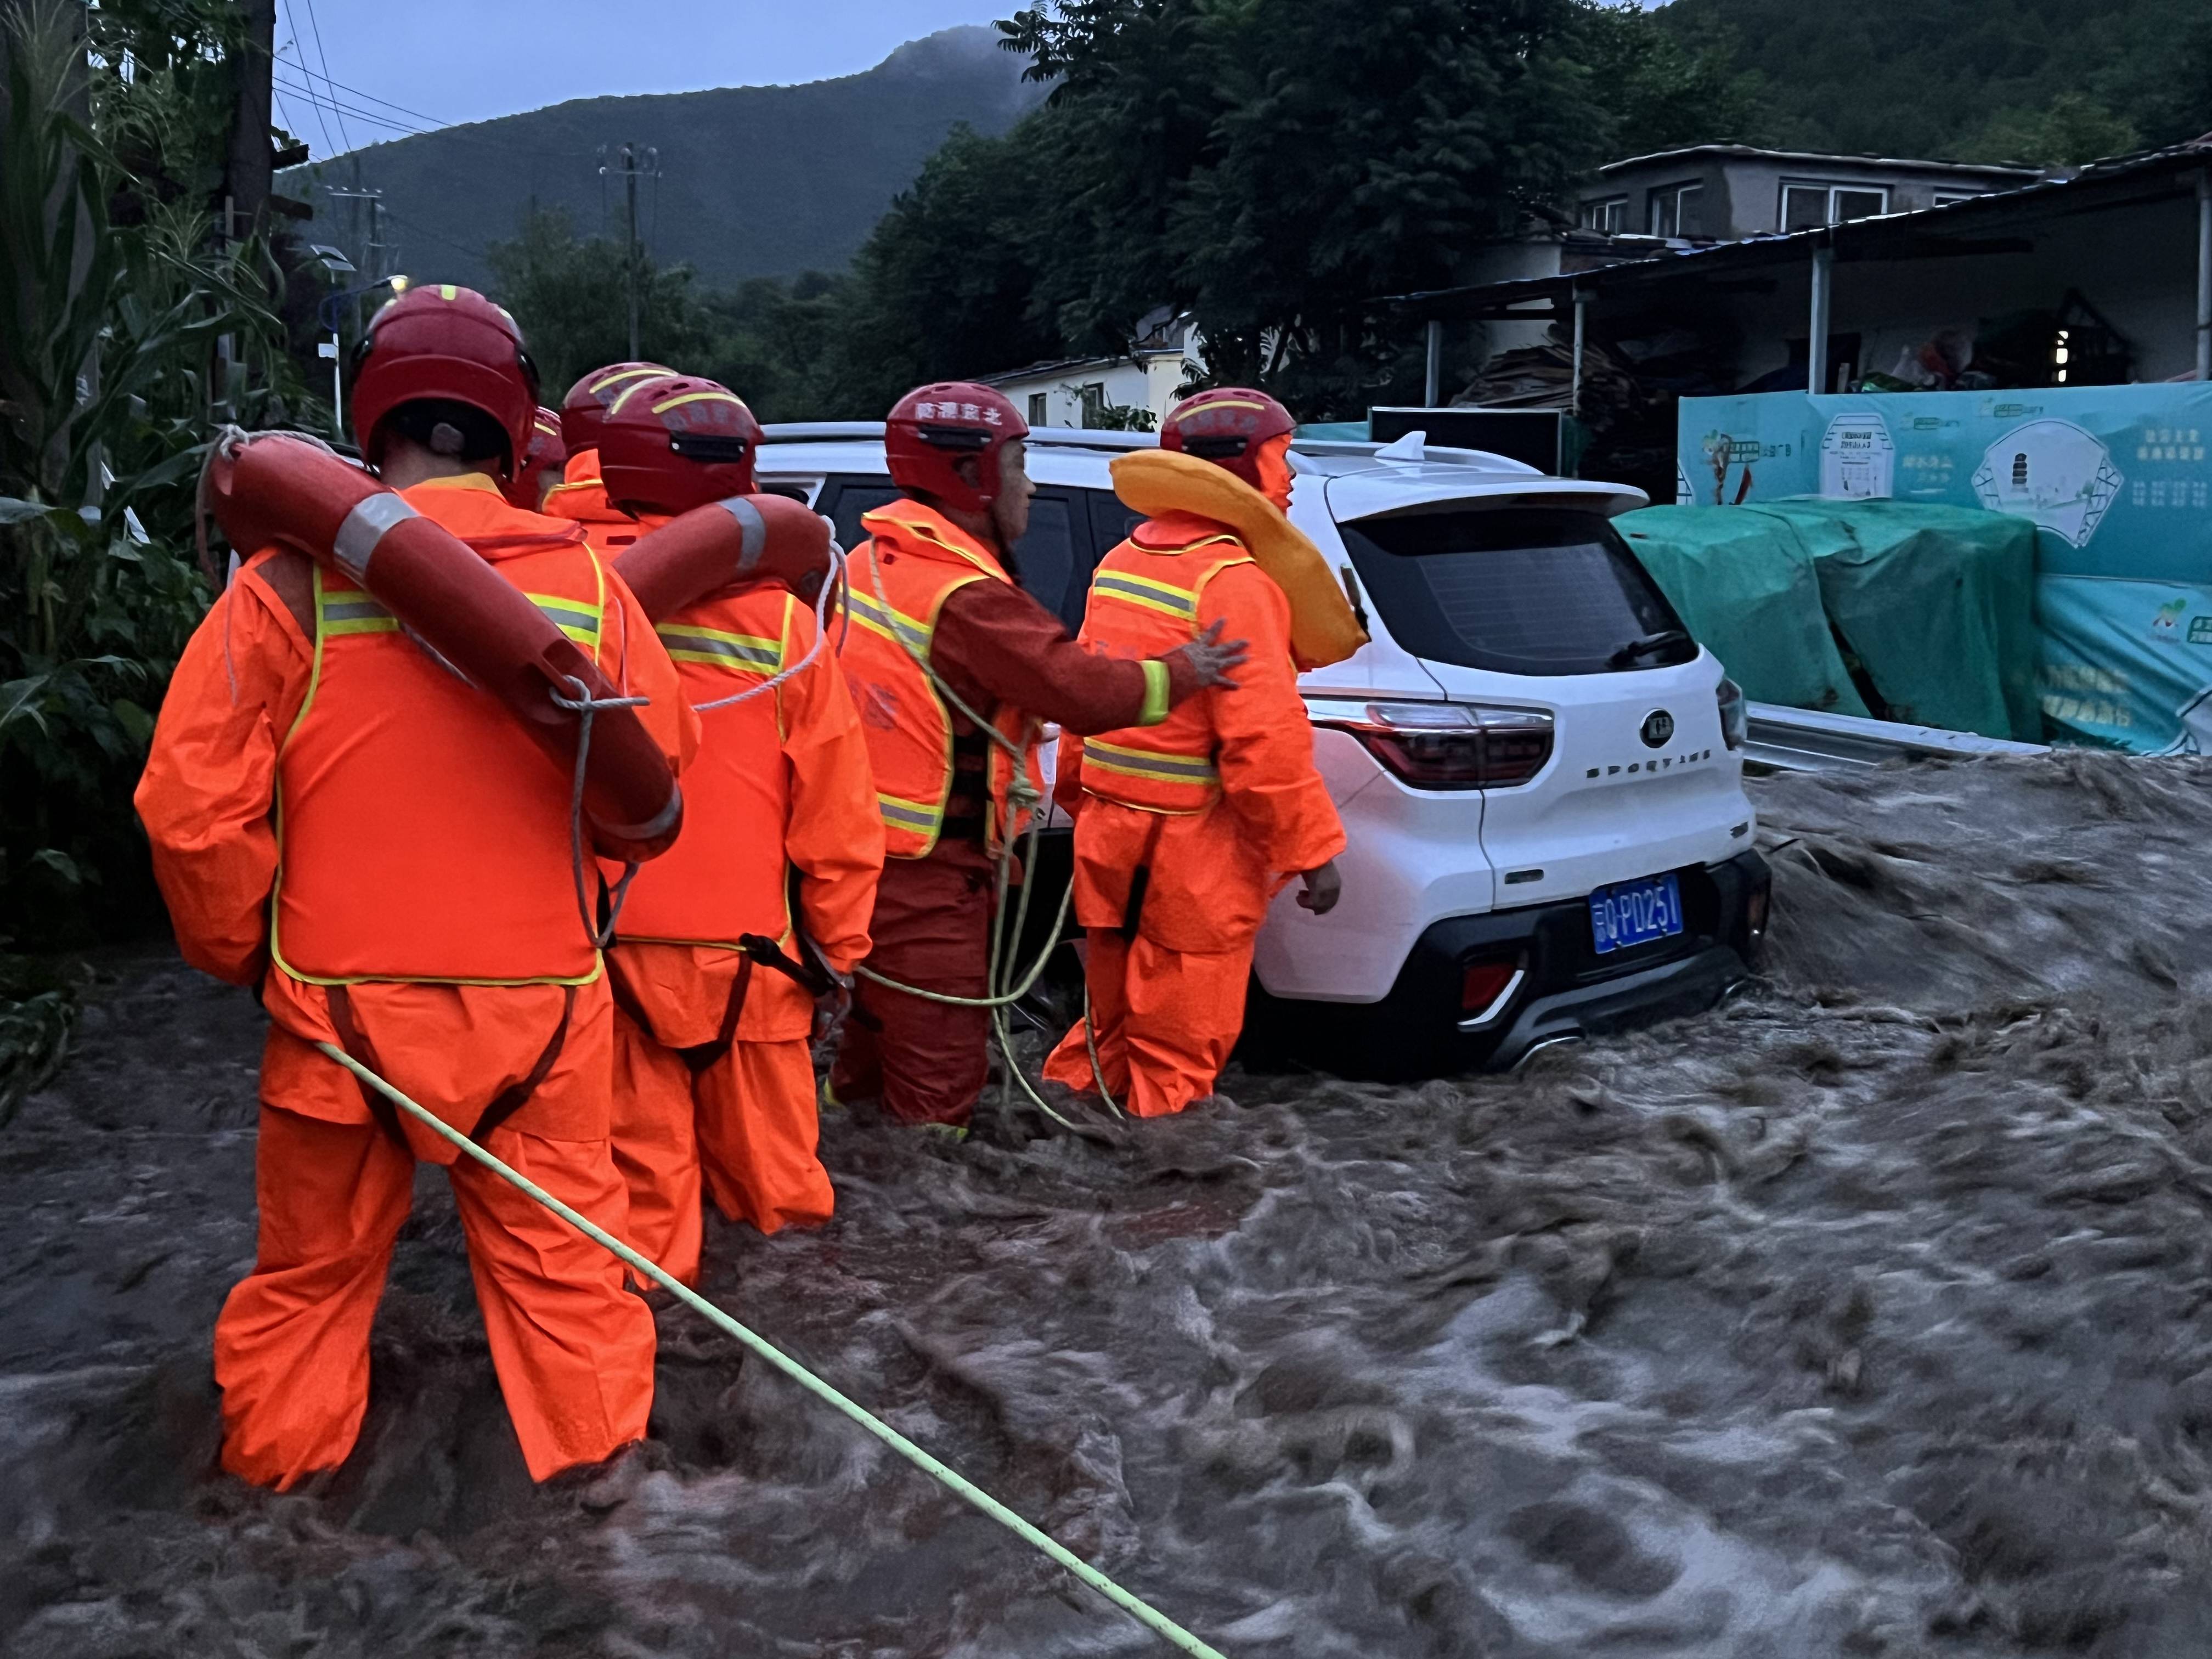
(394, 66)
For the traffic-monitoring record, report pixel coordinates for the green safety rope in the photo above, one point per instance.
(1143, 1611)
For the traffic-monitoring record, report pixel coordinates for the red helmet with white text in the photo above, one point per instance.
(675, 442)
(1227, 426)
(586, 405)
(933, 427)
(446, 366)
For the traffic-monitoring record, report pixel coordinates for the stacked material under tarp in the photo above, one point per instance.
(1936, 603)
(1745, 586)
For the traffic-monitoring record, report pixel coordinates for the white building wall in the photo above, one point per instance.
(1149, 383)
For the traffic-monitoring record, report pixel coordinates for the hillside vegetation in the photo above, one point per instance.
(756, 181)
(2051, 81)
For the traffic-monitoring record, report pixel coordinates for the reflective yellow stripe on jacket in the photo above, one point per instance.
(1144, 603)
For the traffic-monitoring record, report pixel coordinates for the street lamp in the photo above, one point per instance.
(329, 313)
(335, 265)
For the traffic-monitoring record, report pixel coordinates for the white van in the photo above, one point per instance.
(1539, 772)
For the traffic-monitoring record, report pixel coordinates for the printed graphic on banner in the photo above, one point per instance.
(1857, 460)
(2053, 472)
(2116, 481)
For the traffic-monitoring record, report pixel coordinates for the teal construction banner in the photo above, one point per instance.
(2116, 480)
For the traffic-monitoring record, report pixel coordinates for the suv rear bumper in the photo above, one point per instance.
(1564, 990)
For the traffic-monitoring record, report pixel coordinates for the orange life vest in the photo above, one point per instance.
(420, 835)
(1144, 603)
(897, 582)
(727, 875)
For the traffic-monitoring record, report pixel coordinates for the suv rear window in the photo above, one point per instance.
(1516, 590)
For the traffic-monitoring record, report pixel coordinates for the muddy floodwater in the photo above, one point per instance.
(1871, 1314)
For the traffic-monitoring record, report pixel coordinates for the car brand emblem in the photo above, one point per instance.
(1658, 729)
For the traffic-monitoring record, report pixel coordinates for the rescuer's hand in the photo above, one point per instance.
(1213, 659)
(832, 1006)
(1323, 888)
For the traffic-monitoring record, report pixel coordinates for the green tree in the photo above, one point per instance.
(946, 285)
(1664, 86)
(777, 344)
(2073, 128)
(1273, 168)
(571, 298)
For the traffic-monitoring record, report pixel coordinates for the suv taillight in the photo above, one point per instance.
(1734, 717)
(1454, 745)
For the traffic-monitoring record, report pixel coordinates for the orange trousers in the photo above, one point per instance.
(747, 1124)
(574, 1350)
(1165, 1020)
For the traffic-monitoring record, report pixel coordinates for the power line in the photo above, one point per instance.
(370, 97)
(322, 102)
(315, 23)
(278, 58)
(421, 229)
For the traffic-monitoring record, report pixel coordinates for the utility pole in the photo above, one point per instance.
(247, 172)
(371, 251)
(249, 163)
(635, 162)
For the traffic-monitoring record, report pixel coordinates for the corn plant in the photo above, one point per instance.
(110, 373)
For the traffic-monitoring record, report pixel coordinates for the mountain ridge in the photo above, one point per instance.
(819, 163)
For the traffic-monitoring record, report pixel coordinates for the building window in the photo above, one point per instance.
(1608, 217)
(1094, 402)
(1039, 416)
(1945, 197)
(1678, 210)
(1807, 207)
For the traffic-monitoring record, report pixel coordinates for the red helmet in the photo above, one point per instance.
(541, 461)
(1227, 426)
(443, 345)
(586, 405)
(674, 442)
(934, 426)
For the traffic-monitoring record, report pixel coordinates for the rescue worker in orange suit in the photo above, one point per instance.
(1184, 831)
(542, 459)
(579, 496)
(713, 1067)
(414, 902)
(935, 584)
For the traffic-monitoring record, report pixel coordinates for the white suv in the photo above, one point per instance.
(1538, 771)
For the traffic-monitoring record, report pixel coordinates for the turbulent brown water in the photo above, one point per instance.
(1865, 1315)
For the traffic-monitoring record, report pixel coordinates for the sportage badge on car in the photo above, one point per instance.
(1658, 729)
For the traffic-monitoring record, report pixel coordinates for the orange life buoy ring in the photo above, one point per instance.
(732, 543)
(271, 490)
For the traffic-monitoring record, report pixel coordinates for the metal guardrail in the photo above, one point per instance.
(1802, 740)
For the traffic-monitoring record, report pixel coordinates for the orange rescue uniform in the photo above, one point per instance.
(921, 584)
(713, 1074)
(582, 498)
(333, 813)
(1217, 805)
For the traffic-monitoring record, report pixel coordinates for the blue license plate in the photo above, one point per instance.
(1631, 913)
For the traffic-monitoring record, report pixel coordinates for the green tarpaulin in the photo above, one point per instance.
(1745, 586)
(1936, 603)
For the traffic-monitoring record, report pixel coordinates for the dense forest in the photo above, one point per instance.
(2049, 81)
